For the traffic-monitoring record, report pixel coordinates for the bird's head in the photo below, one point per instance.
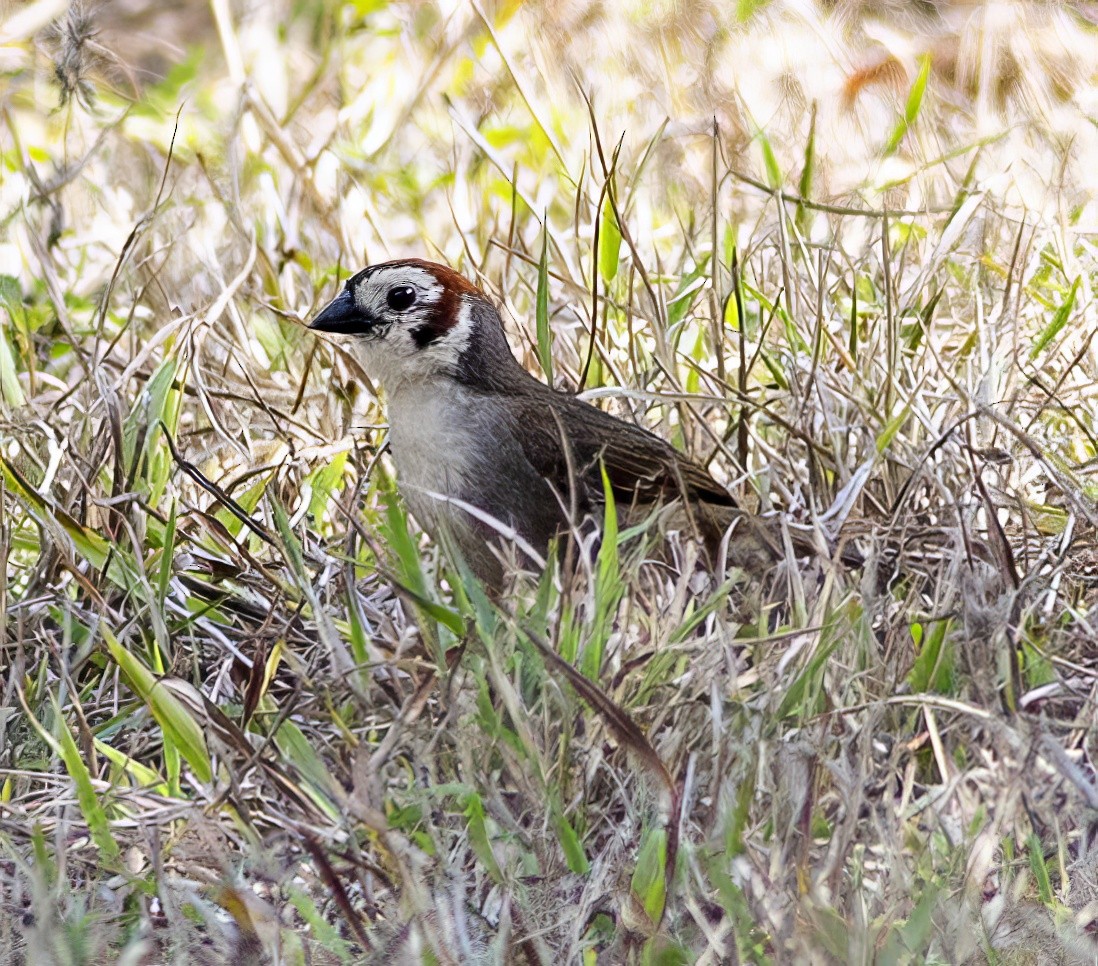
(414, 320)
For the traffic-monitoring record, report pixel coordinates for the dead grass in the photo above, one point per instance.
(845, 257)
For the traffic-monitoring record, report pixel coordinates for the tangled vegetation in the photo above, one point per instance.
(842, 255)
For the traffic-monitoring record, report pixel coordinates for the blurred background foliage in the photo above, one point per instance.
(842, 252)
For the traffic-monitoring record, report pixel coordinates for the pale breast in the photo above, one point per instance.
(449, 440)
(430, 426)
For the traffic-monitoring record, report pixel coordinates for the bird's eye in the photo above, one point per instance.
(401, 297)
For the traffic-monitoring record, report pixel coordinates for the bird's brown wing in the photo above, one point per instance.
(643, 470)
(641, 467)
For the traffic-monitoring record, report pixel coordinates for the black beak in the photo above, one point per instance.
(341, 316)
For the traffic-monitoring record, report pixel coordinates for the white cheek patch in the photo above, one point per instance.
(446, 350)
(438, 357)
(395, 358)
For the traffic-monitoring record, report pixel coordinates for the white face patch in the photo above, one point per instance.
(371, 294)
(446, 351)
(409, 344)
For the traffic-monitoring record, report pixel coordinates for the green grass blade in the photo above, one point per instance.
(64, 745)
(911, 108)
(770, 160)
(142, 775)
(570, 842)
(544, 334)
(1059, 320)
(478, 834)
(177, 723)
(609, 585)
(609, 242)
(88, 544)
(649, 881)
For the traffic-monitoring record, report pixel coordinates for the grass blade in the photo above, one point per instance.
(911, 108)
(177, 723)
(544, 334)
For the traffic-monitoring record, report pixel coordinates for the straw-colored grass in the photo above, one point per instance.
(844, 257)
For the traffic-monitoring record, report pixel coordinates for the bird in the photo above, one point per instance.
(486, 454)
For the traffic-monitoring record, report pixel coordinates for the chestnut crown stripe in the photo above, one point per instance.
(445, 275)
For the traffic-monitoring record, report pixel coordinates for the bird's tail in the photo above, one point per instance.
(756, 543)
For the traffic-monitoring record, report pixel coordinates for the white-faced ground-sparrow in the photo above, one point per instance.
(486, 454)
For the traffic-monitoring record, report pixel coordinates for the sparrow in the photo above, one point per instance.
(486, 453)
